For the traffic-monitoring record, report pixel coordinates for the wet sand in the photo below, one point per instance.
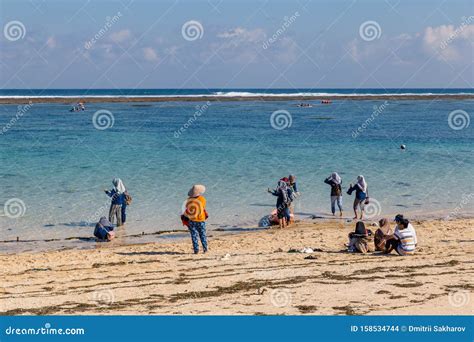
(102, 99)
(258, 277)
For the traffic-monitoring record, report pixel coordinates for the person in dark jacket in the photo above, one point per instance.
(283, 202)
(335, 181)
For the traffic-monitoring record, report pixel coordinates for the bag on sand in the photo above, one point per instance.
(104, 230)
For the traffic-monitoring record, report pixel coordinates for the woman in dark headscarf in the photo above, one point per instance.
(283, 202)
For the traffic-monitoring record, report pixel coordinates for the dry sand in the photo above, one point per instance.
(259, 277)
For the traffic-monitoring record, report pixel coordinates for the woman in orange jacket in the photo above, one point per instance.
(195, 216)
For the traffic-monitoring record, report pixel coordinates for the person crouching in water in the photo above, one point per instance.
(117, 193)
(282, 204)
(335, 181)
(404, 239)
(195, 216)
(361, 240)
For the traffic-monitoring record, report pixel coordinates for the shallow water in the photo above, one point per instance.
(57, 163)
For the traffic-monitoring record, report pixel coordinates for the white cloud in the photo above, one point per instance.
(241, 35)
(449, 41)
(150, 54)
(51, 42)
(121, 36)
(445, 42)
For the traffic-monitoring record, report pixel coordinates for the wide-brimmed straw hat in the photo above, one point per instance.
(197, 190)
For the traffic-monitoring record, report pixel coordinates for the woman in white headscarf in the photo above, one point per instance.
(118, 205)
(362, 194)
(335, 181)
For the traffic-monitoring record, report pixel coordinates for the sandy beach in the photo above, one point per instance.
(108, 99)
(250, 273)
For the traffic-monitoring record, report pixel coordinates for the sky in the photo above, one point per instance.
(236, 44)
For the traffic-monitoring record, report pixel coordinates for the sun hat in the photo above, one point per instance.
(196, 190)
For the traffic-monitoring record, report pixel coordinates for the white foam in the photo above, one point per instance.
(229, 94)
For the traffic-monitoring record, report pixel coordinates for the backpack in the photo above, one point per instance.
(128, 199)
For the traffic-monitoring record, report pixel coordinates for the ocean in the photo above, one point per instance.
(55, 164)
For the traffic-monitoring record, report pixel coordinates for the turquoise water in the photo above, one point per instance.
(57, 163)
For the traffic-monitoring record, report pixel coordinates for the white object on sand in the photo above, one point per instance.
(226, 257)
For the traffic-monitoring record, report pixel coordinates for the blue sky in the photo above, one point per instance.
(239, 44)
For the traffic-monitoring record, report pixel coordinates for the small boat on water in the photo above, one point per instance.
(304, 105)
(78, 107)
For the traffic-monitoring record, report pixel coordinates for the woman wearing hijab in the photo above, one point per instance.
(283, 203)
(382, 234)
(293, 194)
(361, 189)
(195, 216)
(335, 181)
(117, 206)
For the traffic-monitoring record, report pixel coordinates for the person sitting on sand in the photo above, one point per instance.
(404, 239)
(335, 181)
(383, 233)
(283, 203)
(196, 216)
(361, 189)
(361, 240)
(117, 206)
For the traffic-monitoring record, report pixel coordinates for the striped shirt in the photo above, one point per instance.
(407, 239)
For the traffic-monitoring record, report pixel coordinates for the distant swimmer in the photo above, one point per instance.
(305, 105)
(403, 147)
(326, 101)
